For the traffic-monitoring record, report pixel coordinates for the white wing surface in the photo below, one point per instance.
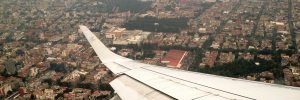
(138, 81)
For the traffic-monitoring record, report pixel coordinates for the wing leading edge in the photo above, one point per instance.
(143, 81)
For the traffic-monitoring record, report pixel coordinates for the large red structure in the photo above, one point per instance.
(174, 58)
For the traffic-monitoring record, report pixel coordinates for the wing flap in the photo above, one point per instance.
(130, 89)
(175, 87)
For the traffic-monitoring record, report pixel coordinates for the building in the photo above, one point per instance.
(33, 71)
(121, 36)
(4, 89)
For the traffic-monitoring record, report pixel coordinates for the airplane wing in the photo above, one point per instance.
(138, 81)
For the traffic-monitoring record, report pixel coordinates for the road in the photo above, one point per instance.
(291, 25)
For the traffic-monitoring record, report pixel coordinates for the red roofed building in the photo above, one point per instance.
(69, 96)
(173, 58)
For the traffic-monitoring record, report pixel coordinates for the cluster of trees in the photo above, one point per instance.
(11, 68)
(58, 67)
(164, 25)
(241, 68)
(202, 8)
(79, 84)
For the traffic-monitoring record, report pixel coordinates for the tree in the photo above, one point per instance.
(105, 87)
(241, 68)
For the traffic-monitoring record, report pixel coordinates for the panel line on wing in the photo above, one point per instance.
(156, 90)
